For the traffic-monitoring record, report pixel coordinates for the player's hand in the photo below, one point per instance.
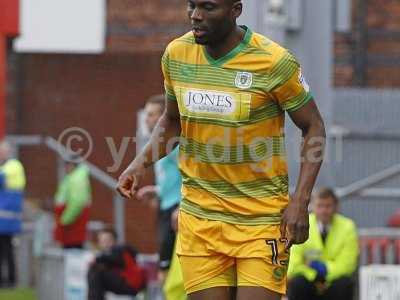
(147, 193)
(321, 287)
(129, 181)
(295, 224)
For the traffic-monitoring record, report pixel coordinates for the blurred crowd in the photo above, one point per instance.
(322, 268)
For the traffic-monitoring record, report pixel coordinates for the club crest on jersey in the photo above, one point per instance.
(243, 80)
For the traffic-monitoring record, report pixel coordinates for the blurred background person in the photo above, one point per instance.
(323, 267)
(173, 287)
(72, 203)
(167, 191)
(12, 184)
(115, 269)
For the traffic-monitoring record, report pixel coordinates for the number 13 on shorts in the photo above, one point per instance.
(279, 255)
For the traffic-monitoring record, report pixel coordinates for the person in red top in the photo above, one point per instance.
(114, 269)
(72, 204)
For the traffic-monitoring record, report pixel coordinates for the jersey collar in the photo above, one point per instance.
(231, 54)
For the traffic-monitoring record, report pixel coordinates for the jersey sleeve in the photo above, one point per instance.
(169, 91)
(291, 90)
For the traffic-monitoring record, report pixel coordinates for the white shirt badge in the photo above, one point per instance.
(244, 80)
(303, 82)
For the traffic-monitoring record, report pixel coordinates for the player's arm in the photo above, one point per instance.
(166, 130)
(293, 96)
(308, 119)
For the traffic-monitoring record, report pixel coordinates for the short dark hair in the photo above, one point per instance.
(157, 99)
(325, 192)
(110, 230)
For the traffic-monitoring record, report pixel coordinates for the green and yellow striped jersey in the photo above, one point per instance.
(232, 109)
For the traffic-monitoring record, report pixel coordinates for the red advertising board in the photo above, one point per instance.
(9, 17)
(9, 27)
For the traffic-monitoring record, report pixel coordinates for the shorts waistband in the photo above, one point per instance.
(227, 217)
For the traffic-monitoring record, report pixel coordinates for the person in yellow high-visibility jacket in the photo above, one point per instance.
(322, 267)
(12, 184)
(173, 286)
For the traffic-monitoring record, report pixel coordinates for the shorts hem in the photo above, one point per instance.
(253, 281)
(269, 288)
(198, 281)
(199, 287)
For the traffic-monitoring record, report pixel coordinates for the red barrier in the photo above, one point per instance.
(9, 17)
(378, 249)
(9, 27)
(397, 251)
(3, 80)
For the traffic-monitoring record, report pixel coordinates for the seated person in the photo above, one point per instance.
(114, 269)
(322, 267)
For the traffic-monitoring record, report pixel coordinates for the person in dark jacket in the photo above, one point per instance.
(115, 269)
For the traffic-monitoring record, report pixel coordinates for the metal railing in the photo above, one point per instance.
(102, 177)
(95, 172)
(363, 186)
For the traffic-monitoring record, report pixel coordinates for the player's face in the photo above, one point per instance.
(106, 241)
(212, 20)
(325, 209)
(153, 113)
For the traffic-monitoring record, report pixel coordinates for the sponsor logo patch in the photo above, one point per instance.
(220, 105)
(209, 102)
